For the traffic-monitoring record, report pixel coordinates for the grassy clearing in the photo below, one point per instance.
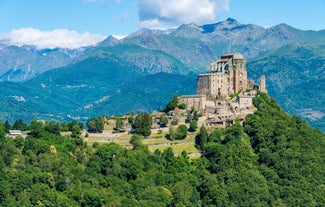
(189, 148)
(108, 127)
(65, 133)
(153, 141)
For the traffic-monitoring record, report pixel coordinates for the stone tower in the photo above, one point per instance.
(226, 75)
(262, 87)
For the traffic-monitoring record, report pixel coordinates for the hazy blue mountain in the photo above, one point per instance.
(92, 87)
(146, 93)
(147, 67)
(193, 45)
(196, 46)
(29, 61)
(295, 77)
(148, 60)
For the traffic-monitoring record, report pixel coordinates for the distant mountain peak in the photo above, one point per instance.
(109, 41)
(231, 20)
(228, 24)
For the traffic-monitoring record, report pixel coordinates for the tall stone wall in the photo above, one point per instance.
(262, 87)
(198, 102)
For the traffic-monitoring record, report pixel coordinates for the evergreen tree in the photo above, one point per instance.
(76, 131)
(172, 104)
(2, 130)
(193, 126)
(181, 132)
(142, 124)
(53, 127)
(119, 124)
(20, 125)
(201, 138)
(188, 117)
(7, 126)
(195, 116)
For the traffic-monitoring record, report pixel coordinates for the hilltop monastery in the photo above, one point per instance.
(226, 78)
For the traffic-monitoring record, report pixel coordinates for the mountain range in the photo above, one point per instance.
(144, 70)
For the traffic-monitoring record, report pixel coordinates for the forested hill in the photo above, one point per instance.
(275, 159)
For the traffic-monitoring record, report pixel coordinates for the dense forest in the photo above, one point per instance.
(274, 159)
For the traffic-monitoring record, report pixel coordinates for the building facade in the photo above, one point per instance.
(226, 76)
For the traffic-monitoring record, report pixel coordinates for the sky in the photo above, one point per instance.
(75, 23)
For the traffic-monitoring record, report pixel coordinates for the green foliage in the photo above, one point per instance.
(142, 124)
(181, 132)
(36, 128)
(233, 95)
(201, 138)
(53, 127)
(193, 126)
(20, 125)
(286, 147)
(119, 124)
(188, 117)
(136, 142)
(196, 116)
(7, 126)
(95, 124)
(171, 132)
(273, 160)
(163, 121)
(182, 106)
(172, 104)
(76, 131)
(2, 130)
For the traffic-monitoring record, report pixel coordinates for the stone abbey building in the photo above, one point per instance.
(224, 93)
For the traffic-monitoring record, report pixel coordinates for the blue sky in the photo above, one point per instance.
(96, 19)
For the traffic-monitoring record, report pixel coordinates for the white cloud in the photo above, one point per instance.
(119, 36)
(51, 39)
(159, 12)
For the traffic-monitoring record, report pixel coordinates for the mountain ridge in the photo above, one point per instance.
(297, 58)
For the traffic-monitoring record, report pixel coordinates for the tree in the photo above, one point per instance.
(195, 116)
(131, 118)
(76, 131)
(20, 125)
(201, 138)
(2, 130)
(136, 142)
(181, 132)
(64, 127)
(172, 104)
(193, 126)
(142, 124)
(215, 136)
(95, 124)
(188, 117)
(53, 127)
(74, 122)
(171, 132)
(37, 128)
(163, 121)
(119, 124)
(7, 126)
(182, 106)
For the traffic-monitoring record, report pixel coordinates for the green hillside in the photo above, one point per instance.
(92, 87)
(275, 159)
(295, 77)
